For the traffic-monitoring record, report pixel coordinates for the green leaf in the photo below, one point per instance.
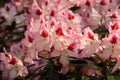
(110, 78)
(85, 78)
(102, 31)
(117, 77)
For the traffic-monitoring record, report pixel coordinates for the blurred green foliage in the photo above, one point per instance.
(2, 2)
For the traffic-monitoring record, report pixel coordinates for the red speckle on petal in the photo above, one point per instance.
(46, 3)
(52, 13)
(119, 7)
(109, 9)
(2, 17)
(41, 21)
(113, 16)
(88, 15)
(69, 28)
(38, 12)
(59, 31)
(52, 23)
(70, 17)
(90, 35)
(87, 3)
(44, 33)
(72, 46)
(103, 3)
(7, 8)
(113, 40)
(13, 61)
(115, 26)
(30, 39)
(111, 1)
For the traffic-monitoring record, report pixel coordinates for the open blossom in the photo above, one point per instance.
(96, 13)
(24, 50)
(89, 44)
(105, 53)
(21, 4)
(109, 47)
(93, 19)
(17, 50)
(65, 44)
(41, 43)
(90, 16)
(114, 26)
(29, 52)
(12, 67)
(65, 55)
(8, 12)
(106, 7)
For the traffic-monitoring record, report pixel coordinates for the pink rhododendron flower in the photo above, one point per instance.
(109, 47)
(59, 32)
(113, 26)
(8, 12)
(13, 67)
(106, 7)
(21, 4)
(90, 43)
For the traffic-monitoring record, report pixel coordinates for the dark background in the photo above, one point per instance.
(8, 32)
(2, 2)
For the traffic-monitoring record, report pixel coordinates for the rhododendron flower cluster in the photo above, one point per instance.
(57, 35)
